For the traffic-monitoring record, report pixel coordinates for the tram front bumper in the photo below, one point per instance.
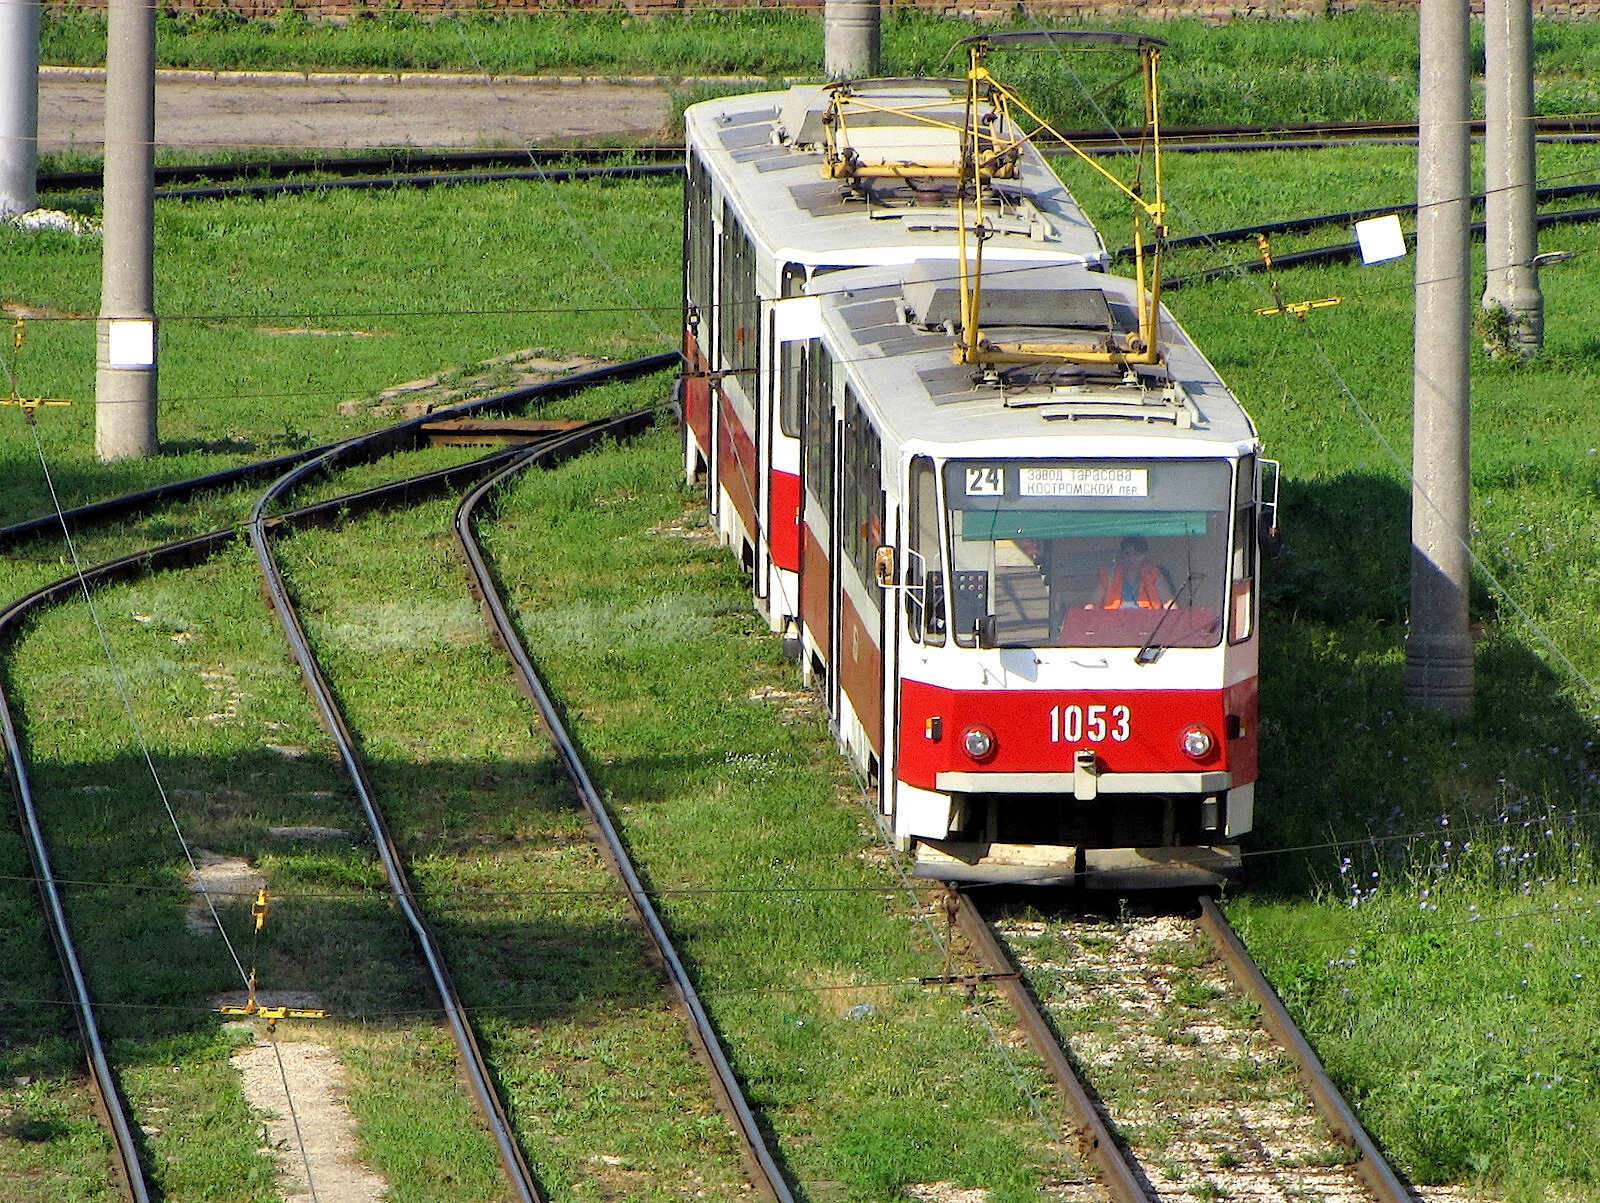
(1184, 867)
(1086, 784)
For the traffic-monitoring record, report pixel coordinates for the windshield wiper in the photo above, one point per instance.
(1151, 651)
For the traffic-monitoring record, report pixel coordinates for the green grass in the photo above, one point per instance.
(1358, 65)
(263, 333)
(1456, 978)
(765, 860)
(1349, 770)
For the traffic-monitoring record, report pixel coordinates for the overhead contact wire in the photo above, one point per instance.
(1461, 537)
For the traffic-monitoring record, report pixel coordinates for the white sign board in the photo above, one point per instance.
(1381, 239)
(132, 343)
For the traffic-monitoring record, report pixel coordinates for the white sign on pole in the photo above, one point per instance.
(132, 343)
(1381, 239)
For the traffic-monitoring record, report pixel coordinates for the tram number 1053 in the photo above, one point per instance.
(1094, 724)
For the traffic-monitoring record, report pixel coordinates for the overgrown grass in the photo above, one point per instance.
(1357, 65)
(721, 775)
(1345, 761)
(1449, 987)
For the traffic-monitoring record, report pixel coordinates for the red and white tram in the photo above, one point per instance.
(1021, 563)
(774, 198)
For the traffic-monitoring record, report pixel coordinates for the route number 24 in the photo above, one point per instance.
(1072, 724)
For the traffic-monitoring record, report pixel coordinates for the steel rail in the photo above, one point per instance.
(760, 1163)
(388, 439)
(400, 162)
(110, 1102)
(1119, 1173)
(554, 175)
(1294, 225)
(1349, 250)
(474, 1065)
(1371, 1166)
(408, 163)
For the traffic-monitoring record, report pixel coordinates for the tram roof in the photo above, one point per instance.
(879, 320)
(766, 149)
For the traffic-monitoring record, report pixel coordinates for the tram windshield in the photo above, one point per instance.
(1088, 553)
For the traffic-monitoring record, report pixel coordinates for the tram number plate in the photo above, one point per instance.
(1085, 482)
(986, 482)
(1091, 724)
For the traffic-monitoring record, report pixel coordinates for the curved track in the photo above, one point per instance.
(127, 1156)
(1121, 1173)
(760, 1163)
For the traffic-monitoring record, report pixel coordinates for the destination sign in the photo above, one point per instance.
(1085, 482)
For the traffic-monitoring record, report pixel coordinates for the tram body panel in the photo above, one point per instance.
(835, 427)
(998, 619)
(736, 466)
(760, 224)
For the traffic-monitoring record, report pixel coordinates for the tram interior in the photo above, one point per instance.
(1051, 592)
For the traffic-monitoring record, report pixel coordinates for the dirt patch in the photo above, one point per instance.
(414, 398)
(41, 312)
(947, 1192)
(220, 879)
(307, 833)
(689, 528)
(317, 1129)
(329, 112)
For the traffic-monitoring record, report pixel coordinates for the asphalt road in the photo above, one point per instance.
(240, 110)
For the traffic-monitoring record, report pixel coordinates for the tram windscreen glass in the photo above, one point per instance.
(1090, 553)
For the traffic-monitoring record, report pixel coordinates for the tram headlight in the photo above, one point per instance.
(979, 742)
(1197, 741)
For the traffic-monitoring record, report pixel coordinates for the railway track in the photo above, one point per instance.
(1186, 1077)
(130, 1161)
(424, 168)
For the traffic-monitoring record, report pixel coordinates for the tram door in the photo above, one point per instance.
(795, 321)
(860, 531)
(818, 441)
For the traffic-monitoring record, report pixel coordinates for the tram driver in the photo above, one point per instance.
(1133, 580)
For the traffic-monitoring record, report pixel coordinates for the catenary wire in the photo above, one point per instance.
(120, 684)
(1364, 416)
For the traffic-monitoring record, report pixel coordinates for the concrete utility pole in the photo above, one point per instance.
(1439, 669)
(850, 38)
(19, 106)
(125, 376)
(1511, 235)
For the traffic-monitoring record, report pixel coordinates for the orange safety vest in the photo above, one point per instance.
(1149, 587)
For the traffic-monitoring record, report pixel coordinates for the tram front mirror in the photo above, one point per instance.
(883, 567)
(1268, 536)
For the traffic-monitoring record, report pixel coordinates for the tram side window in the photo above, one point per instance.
(924, 572)
(791, 363)
(791, 387)
(1242, 601)
(862, 500)
(698, 239)
(738, 308)
(818, 445)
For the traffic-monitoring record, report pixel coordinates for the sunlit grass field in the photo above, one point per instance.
(1425, 895)
(1359, 65)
